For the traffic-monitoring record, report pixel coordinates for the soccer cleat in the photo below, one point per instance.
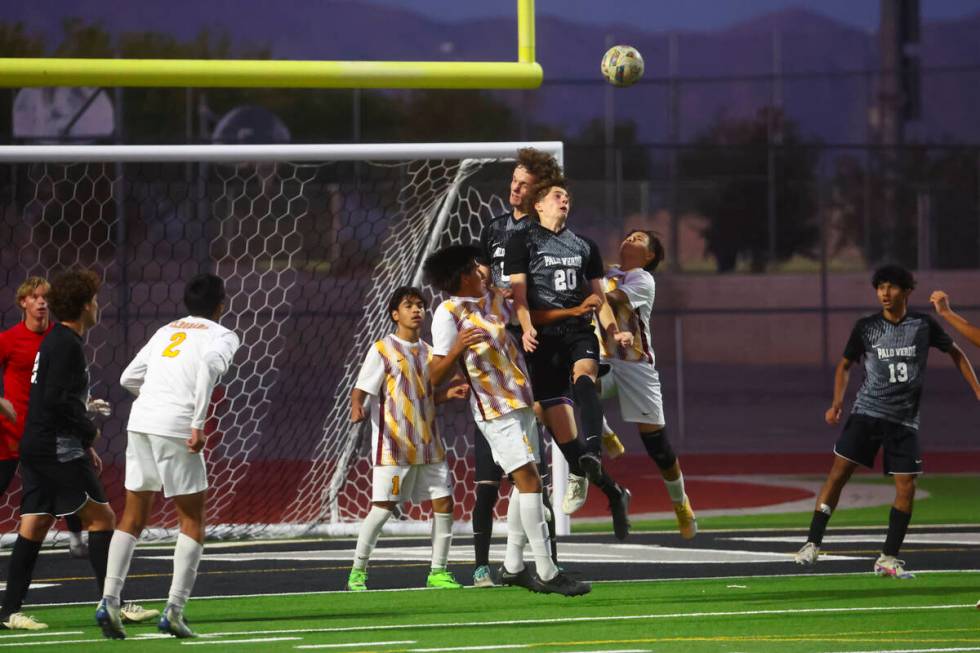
(807, 555)
(78, 549)
(620, 509)
(562, 584)
(21, 621)
(357, 580)
(136, 613)
(172, 622)
(108, 618)
(612, 445)
(482, 577)
(687, 524)
(523, 578)
(592, 466)
(575, 494)
(892, 566)
(443, 579)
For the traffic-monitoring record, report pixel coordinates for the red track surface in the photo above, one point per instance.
(269, 485)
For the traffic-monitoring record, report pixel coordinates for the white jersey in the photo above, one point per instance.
(640, 289)
(174, 374)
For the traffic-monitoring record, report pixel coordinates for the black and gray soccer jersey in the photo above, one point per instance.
(493, 243)
(894, 364)
(57, 425)
(559, 268)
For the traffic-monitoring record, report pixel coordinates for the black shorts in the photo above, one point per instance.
(864, 435)
(551, 363)
(488, 470)
(54, 488)
(7, 470)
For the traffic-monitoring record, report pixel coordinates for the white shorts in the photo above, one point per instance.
(156, 461)
(513, 438)
(415, 483)
(638, 387)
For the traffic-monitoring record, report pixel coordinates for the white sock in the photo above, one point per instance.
(532, 518)
(187, 556)
(516, 538)
(368, 536)
(442, 538)
(606, 429)
(75, 539)
(121, 548)
(676, 489)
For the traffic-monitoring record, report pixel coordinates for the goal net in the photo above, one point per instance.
(311, 240)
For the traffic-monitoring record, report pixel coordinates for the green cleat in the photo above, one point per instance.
(442, 578)
(357, 581)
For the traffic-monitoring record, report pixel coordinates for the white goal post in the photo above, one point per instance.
(311, 240)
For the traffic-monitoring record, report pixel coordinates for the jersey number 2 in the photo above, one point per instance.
(565, 280)
(171, 351)
(899, 372)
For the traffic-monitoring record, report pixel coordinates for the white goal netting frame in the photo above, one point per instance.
(77, 205)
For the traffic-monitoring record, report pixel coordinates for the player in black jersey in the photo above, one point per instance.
(556, 276)
(59, 468)
(894, 345)
(532, 165)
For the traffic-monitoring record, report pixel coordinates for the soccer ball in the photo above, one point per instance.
(622, 65)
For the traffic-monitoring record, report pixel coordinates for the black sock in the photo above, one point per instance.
(19, 574)
(550, 520)
(486, 499)
(898, 524)
(572, 450)
(608, 486)
(818, 524)
(590, 410)
(98, 555)
(73, 523)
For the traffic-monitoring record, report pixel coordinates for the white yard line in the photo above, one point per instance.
(428, 589)
(356, 644)
(251, 640)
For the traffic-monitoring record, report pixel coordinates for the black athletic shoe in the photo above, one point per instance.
(562, 584)
(620, 509)
(591, 465)
(523, 578)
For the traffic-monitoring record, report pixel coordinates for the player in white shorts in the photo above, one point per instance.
(630, 291)
(408, 455)
(469, 331)
(172, 377)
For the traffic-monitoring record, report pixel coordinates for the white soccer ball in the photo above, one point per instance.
(622, 65)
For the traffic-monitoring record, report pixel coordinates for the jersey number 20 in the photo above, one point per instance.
(565, 280)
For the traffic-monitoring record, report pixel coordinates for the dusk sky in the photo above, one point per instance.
(680, 14)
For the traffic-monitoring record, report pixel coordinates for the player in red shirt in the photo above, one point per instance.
(18, 349)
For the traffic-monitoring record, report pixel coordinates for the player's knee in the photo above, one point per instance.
(585, 388)
(659, 449)
(442, 504)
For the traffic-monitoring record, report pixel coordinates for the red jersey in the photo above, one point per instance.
(18, 349)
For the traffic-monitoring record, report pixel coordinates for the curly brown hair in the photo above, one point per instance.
(540, 165)
(538, 192)
(70, 291)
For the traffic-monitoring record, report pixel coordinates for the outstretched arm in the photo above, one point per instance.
(607, 320)
(841, 376)
(966, 369)
(940, 301)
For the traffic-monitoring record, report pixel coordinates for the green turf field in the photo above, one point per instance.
(839, 613)
(952, 500)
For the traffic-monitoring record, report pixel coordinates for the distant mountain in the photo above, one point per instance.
(813, 47)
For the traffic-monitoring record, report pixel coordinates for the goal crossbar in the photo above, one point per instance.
(525, 73)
